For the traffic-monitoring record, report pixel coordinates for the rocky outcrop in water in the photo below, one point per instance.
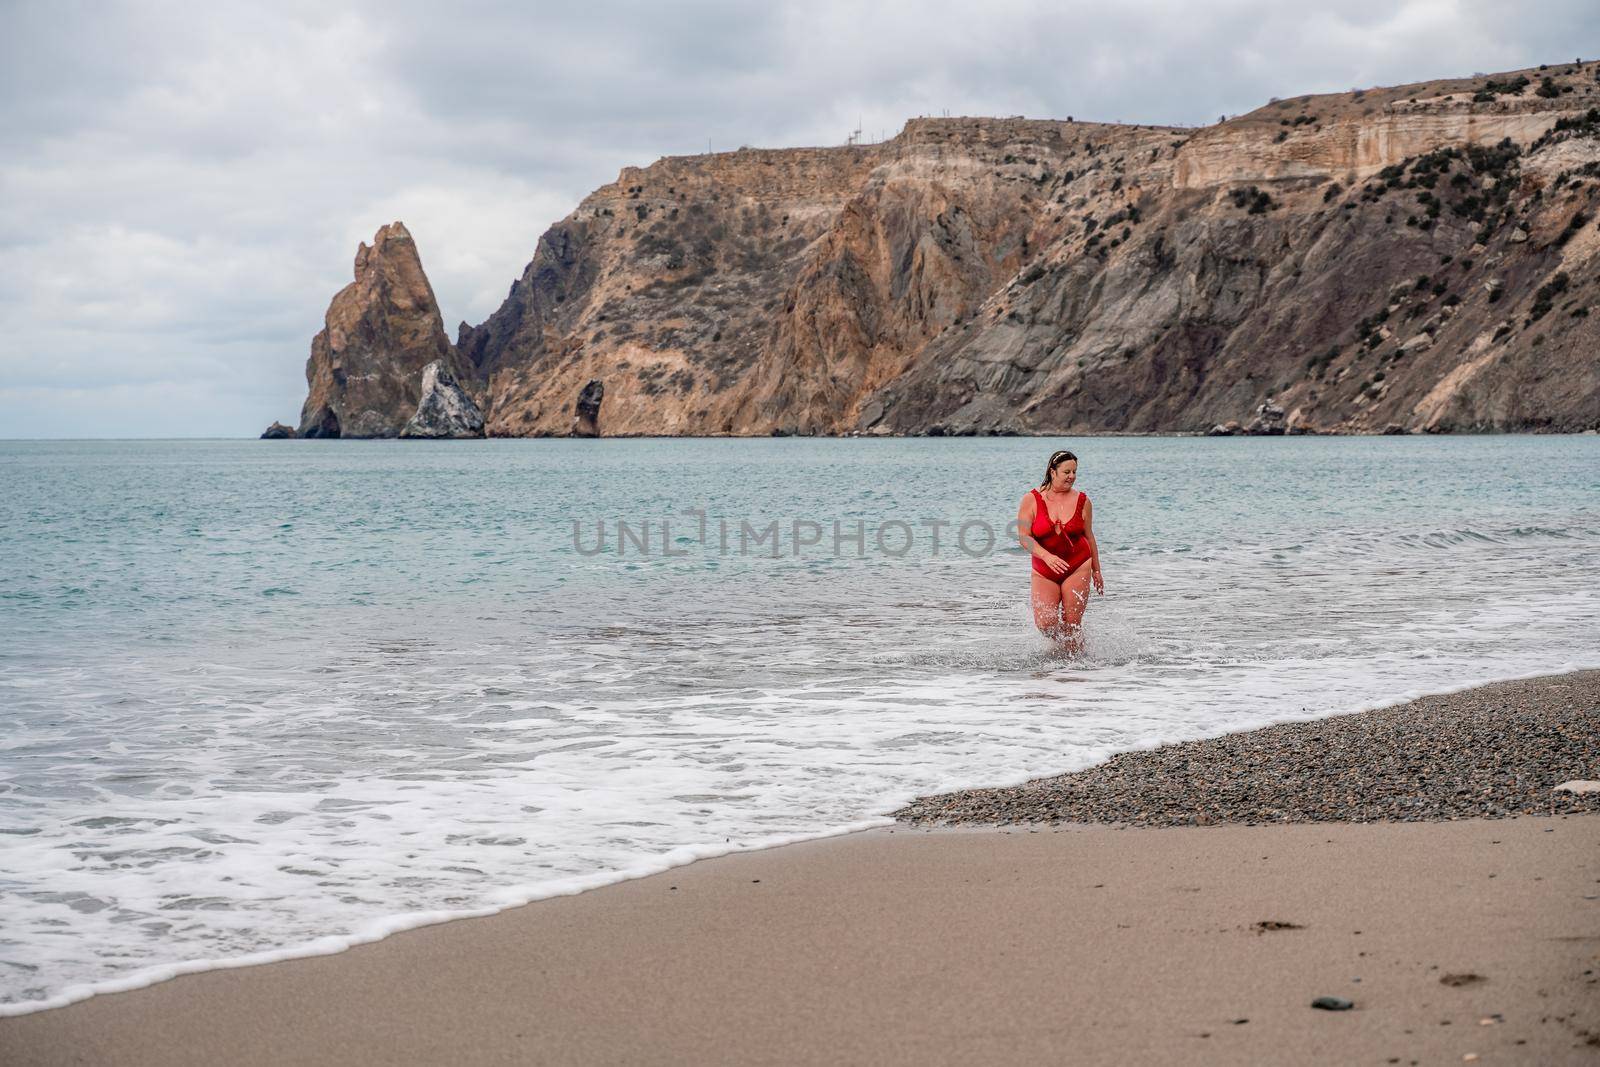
(277, 432)
(586, 412)
(365, 370)
(1269, 421)
(1421, 257)
(445, 409)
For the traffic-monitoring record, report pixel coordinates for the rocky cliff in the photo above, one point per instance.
(1417, 258)
(366, 367)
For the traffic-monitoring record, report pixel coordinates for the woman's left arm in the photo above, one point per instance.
(1094, 547)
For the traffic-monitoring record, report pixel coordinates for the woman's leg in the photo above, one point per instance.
(1075, 595)
(1074, 600)
(1046, 599)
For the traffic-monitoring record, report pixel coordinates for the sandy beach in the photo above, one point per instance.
(1454, 940)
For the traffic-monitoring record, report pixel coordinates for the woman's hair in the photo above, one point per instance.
(1056, 460)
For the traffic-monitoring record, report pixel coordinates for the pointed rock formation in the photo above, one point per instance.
(365, 370)
(445, 409)
(277, 432)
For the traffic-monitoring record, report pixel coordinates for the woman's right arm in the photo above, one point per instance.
(1025, 515)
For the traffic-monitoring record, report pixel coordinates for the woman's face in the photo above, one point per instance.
(1064, 475)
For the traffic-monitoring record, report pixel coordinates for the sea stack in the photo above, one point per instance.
(365, 374)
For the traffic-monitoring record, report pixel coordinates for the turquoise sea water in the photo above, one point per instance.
(274, 697)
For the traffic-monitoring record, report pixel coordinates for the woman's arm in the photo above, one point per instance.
(1026, 512)
(1094, 547)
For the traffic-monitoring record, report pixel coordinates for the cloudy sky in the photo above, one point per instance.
(182, 185)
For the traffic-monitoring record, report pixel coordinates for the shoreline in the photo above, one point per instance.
(83, 1019)
(510, 898)
(921, 945)
(1092, 434)
(868, 436)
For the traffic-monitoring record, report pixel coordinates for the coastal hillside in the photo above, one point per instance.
(1410, 259)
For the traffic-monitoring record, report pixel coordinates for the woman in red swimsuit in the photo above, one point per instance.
(1055, 524)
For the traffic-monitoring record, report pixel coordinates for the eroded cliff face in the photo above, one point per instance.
(1414, 269)
(366, 366)
(963, 206)
(1421, 257)
(666, 286)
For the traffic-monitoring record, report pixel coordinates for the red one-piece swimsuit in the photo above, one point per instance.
(1066, 539)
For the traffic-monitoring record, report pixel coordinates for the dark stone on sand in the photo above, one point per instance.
(1332, 1004)
(1457, 980)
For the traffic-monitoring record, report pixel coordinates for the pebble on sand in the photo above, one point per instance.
(1458, 980)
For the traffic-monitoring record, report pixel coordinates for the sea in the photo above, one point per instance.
(265, 699)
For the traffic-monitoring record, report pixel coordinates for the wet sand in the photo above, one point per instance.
(1477, 938)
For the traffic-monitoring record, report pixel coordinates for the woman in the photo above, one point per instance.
(1055, 524)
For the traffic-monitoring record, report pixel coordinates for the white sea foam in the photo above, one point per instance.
(396, 752)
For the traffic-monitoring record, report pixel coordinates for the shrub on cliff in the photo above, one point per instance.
(1544, 299)
(1257, 200)
(1585, 125)
(1493, 160)
(1574, 224)
(1492, 89)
